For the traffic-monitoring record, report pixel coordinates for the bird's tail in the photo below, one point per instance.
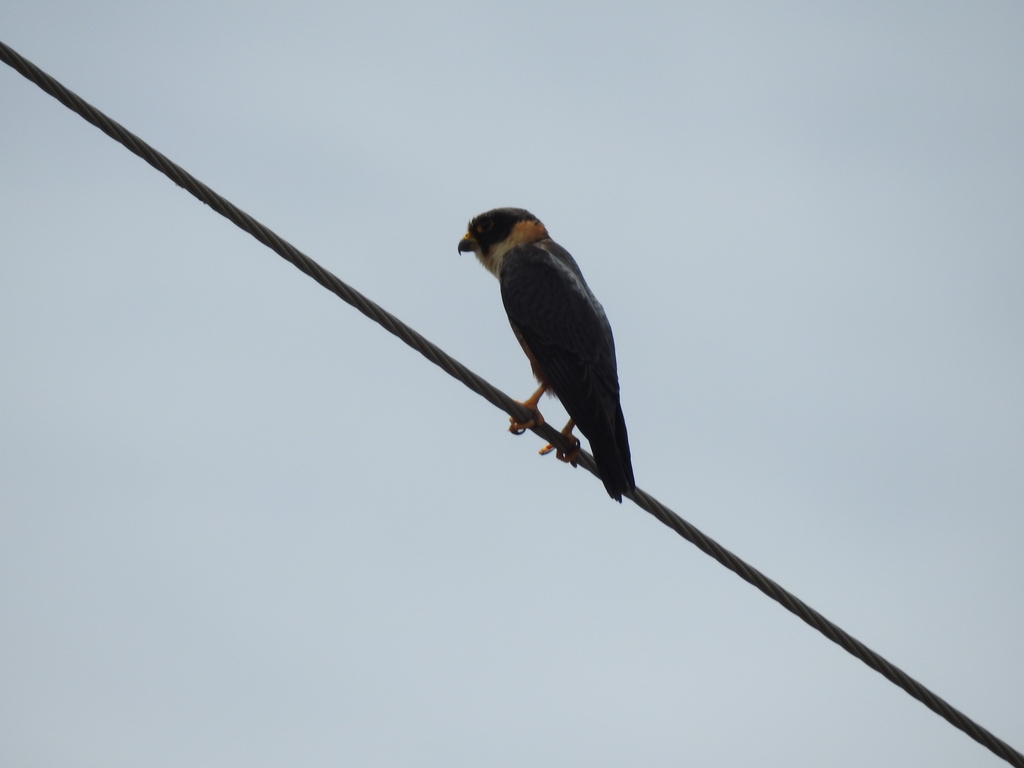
(611, 454)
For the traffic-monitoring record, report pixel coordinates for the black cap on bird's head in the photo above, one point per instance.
(499, 226)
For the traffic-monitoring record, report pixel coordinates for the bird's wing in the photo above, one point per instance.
(565, 328)
(566, 332)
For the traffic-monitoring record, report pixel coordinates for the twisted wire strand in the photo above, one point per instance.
(499, 399)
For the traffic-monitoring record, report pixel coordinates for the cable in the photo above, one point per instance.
(499, 399)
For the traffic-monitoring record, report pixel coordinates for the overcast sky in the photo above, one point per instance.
(241, 525)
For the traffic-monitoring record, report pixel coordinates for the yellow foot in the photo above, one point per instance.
(572, 455)
(518, 427)
(574, 452)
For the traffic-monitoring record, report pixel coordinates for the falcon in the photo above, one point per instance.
(564, 332)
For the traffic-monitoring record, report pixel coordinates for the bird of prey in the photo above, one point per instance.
(564, 332)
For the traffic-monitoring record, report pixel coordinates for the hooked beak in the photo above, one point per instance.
(467, 244)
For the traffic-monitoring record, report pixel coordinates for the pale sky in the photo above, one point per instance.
(241, 525)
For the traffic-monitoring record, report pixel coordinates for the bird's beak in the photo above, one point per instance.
(467, 244)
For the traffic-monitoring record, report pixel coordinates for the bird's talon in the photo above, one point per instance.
(546, 449)
(519, 427)
(570, 457)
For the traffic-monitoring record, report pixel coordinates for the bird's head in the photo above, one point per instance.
(493, 234)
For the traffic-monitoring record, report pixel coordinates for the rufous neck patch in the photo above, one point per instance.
(523, 233)
(526, 232)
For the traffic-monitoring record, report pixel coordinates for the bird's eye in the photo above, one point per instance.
(484, 225)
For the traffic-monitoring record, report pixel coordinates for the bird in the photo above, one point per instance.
(564, 332)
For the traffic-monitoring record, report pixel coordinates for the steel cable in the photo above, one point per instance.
(499, 399)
